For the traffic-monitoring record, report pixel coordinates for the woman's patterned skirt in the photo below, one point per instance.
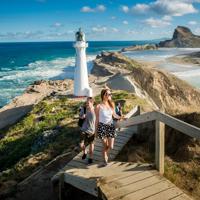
(106, 131)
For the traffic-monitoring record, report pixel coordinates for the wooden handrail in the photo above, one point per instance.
(179, 125)
(161, 120)
(173, 122)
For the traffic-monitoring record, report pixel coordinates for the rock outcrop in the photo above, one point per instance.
(169, 93)
(140, 47)
(182, 37)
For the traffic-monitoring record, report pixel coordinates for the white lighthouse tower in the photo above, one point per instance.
(81, 85)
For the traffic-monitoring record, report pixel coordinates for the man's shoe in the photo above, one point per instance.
(90, 161)
(84, 156)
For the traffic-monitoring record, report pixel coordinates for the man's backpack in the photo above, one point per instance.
(80, 121)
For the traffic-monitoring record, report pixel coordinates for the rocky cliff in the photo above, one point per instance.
(169, 93)
(182, 37)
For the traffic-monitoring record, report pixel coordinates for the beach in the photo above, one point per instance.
(163, 58)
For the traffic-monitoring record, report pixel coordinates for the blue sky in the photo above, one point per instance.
(57, 20)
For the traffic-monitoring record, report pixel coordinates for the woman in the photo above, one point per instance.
(88, 130)
(105, 130)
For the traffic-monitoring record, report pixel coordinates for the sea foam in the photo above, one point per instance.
(13, 83)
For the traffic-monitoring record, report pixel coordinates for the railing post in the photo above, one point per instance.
(160, 146)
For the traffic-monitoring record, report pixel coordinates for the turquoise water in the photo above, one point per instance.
(23, 63)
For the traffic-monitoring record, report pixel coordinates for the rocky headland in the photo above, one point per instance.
(182, 37)
(140, 47)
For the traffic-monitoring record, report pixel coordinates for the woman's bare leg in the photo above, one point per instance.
(105, 149)
(111, 143)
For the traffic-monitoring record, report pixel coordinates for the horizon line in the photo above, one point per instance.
(86, 41)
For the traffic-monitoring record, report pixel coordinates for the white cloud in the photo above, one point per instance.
(125, 22)
(34, 35)
(57, 24)
(98, 8)
(140, 8)
(124, 9)
(22, 35)
(86, 9)
(115, 30)
(192, 22)
(173, 8)
(155, 23)
(101, 8)
(167, 7)
(100, 29)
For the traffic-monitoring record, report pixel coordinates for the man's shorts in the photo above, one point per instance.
(86, 137)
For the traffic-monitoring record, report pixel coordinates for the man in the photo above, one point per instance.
(88, 130)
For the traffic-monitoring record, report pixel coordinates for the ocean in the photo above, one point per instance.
(23, 63)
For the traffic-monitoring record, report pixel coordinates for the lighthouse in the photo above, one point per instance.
(81, 84)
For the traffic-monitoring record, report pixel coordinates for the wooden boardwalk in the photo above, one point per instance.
(119, 180)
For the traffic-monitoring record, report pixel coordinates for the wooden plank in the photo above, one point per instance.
(117, 141)
(147, 191)
(87, 185)
(99, 153)
(160, 146)
(166, 195)
(125, 136)
(78, 164)
(182, 197)
(135, 177)
(95, 158)
(118, 193)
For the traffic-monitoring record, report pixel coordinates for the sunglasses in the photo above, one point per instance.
(108, 94)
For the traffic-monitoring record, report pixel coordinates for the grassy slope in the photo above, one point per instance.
(18, 160)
